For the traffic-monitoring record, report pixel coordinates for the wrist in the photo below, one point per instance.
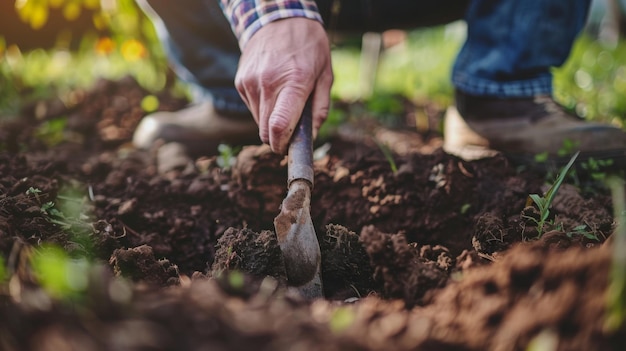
(247, 17)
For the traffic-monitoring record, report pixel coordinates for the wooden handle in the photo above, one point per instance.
(300, 164)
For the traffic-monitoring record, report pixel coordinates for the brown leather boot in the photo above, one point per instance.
(523, 128)
(200, 128)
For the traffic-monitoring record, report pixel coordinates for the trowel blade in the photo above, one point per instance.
(297, 238)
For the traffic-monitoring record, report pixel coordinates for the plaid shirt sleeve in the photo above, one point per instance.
(248, 16)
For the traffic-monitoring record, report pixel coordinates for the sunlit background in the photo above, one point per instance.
(49, 47)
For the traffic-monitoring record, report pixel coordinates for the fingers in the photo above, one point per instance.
(248, 90)
(276, 77)
(321, 100)
(285, 117)
(275, 101)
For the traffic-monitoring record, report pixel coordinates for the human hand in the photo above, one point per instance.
(283, 64)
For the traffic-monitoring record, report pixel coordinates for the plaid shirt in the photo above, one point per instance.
(248, 16)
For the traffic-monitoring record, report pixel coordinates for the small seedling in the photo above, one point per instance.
(227, 157)
(388, 156)
(544, 203)
(581, 230)
(34, 191)
(54, 215)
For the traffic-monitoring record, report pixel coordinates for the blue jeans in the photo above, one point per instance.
(510, 49)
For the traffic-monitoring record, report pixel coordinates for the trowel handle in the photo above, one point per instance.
(300, 164)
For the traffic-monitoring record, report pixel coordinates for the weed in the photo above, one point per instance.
(544, 203)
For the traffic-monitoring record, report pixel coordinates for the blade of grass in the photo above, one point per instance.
(557, 184)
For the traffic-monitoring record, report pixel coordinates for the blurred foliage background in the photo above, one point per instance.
(49, 47)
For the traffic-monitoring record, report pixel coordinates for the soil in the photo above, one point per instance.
(427, 252)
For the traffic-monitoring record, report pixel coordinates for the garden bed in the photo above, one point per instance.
(421, 251)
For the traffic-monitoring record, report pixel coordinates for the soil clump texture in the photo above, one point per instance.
(106, 247)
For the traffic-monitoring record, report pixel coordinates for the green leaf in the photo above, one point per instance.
(538, 200)
(557, 184)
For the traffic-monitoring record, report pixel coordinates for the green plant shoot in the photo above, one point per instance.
(388, 155)
(227, 156)
(543, 203)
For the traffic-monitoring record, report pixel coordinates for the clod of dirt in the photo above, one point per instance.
(346, 270)
(259, 182)
(172, 157)
(399, 267)
(139, 264)
(490, 236)
(529, 290)
(434, 198)
(256, 254)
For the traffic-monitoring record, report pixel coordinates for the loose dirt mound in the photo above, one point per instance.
(438, 255)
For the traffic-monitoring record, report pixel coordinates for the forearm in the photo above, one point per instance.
(248, 16)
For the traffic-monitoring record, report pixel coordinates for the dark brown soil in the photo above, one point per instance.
(441, 254)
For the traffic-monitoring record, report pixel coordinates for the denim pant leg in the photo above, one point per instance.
(201, 48)
(513, 44)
